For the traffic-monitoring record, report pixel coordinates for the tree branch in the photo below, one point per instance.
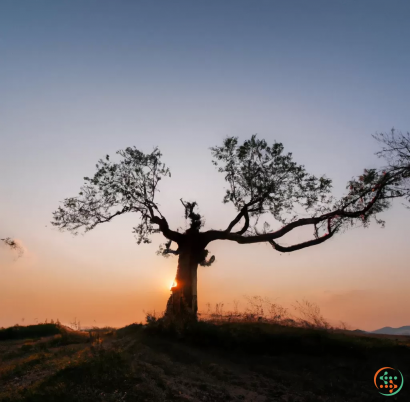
(299, 246)
(169, 251)
(244, 213)
(246, 224)
(107, 219)
(213, 235)
(235, 221)
(165, 230)
(305, 244)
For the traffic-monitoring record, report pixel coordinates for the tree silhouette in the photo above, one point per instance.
(396, 151)
(262, 180)
(13, 245)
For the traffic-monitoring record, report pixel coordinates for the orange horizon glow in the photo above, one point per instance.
(80, 81)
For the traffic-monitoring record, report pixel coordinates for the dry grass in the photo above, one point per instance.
(258, 309)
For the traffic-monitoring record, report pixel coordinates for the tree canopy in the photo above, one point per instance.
(262, 180)
(117, 188)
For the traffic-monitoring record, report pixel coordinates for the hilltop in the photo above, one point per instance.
(204, 362)
(405, 330)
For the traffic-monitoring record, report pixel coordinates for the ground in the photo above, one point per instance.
(202, 362)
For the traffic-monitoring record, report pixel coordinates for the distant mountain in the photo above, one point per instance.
(393, 331)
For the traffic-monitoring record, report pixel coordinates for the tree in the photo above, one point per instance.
(262, 180)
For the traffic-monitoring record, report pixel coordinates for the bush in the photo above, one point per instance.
(30, 331)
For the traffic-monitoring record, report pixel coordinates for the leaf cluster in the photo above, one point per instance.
(116, 188)
(266, 179)
(396, 151)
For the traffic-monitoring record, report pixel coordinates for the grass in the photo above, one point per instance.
(205, 361)
(270, 339)
(258, 309)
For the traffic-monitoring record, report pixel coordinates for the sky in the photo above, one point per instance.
(82, 79)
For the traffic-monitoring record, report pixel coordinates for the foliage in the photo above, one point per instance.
(262, 180)
(396, 151)
(116, 188)
(265, 178)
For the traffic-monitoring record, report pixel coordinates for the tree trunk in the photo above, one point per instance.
(184, 300)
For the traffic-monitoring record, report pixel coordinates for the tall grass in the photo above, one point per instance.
(261, 309)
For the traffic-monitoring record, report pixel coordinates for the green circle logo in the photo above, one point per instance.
(388, 381)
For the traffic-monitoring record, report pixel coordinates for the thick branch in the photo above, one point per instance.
(267, 237)
(246, 224)
(305, 244)
(166, 231)
(236, 220)
(243, 214)
(169, 251)
(299, 246)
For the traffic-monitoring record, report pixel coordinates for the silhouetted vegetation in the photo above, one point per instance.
(13, 245)
(396, 151)
(262, 180)
(30, 331)
(266, 338)
(261, 309)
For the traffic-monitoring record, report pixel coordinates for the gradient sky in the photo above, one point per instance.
(82, 79)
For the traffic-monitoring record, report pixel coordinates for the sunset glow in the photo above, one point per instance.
(80, 81)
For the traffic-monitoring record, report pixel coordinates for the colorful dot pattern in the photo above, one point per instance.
(388, 382)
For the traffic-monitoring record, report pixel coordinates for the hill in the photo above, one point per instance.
(199, 362)
(393, 331)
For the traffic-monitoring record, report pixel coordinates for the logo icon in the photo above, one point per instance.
(388, 381)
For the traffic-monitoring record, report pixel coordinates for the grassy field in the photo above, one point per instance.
(200, 362)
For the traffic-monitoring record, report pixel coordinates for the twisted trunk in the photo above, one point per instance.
(184, 297)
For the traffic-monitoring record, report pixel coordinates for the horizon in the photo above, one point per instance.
(80, 81)
(77, 324)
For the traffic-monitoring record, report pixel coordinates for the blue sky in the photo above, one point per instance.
(82, 79)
